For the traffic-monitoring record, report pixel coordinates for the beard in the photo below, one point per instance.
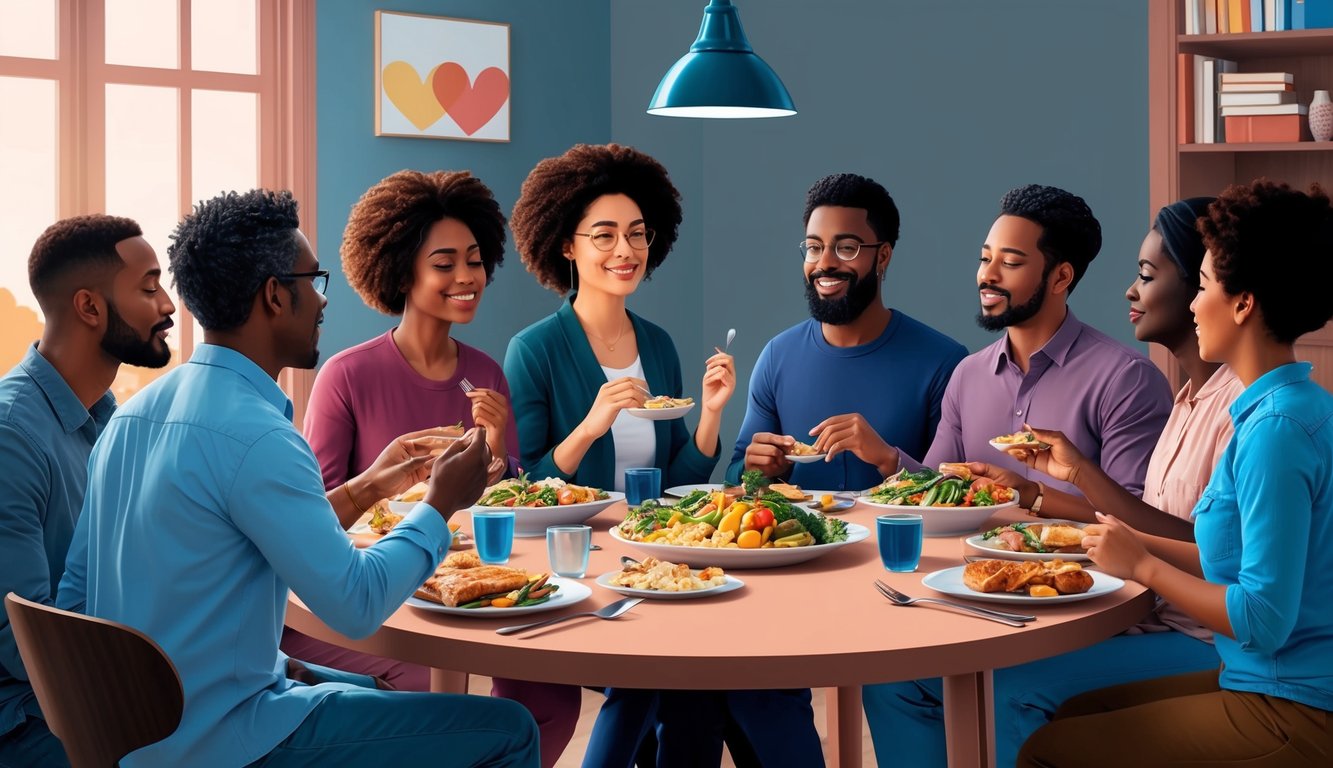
(123, 343)
(1014, 314)
(861, 291)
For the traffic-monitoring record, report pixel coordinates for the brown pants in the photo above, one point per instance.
(1184, 720)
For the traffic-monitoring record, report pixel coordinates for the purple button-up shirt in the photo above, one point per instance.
(1108, 399)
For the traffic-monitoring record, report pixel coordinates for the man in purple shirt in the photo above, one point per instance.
(1049, 369)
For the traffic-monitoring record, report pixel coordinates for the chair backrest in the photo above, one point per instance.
(105, 689)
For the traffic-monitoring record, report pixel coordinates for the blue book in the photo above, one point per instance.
(1298, 14)
(1318, 14)
(1257, 15)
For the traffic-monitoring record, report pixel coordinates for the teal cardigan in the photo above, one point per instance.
(553, 380)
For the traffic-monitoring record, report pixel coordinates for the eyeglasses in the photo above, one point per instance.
(319, 279)
(605, 239)
(846, 249)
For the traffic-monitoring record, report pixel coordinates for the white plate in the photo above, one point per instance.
(730, 558)
(1004, 447)
(1003, 554)
(731, 584)
(945, 521)
(532, 521)
(950, 582)
(570, 593)
(807, 459)
(461, 539)
(660, 414)
(681, 491)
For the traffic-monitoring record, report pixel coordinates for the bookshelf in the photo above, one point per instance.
(1186, 170)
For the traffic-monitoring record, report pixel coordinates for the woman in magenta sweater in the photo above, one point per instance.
(423, 246)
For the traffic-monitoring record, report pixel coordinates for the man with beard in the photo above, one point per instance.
(889, 368)
(204, 504)
(98, 283)
(1048, 370)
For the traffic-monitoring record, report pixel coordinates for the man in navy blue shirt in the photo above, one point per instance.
(857, 377)
(98, 283)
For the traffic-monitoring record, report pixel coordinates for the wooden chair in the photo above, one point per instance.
(105, 689)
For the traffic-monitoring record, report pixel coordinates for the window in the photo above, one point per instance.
(140, 108)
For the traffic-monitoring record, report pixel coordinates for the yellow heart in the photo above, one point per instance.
(412, 95)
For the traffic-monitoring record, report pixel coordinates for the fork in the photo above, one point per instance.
(466, 385)
(1012, 619)
(608, 611)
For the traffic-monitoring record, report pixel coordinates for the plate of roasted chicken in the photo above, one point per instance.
(1013, 581)
(464, 586)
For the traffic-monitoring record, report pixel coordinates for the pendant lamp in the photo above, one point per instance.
(721, 76)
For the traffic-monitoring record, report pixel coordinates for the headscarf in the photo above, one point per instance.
(1181, 238)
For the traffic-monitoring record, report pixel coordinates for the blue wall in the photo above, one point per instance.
(947, 104)
(560, 78)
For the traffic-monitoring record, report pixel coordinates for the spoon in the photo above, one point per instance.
(627, 561)
(731, 336)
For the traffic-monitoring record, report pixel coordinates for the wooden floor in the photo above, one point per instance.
(592, 702)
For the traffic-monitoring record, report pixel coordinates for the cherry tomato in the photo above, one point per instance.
(762, 518)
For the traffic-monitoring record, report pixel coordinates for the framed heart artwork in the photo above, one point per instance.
(441, 78)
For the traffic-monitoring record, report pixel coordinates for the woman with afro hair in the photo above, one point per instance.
(1258, 575)
(423, 247)
(592, 224)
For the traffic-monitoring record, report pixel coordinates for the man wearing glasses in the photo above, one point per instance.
(889, 368)
(204, 505)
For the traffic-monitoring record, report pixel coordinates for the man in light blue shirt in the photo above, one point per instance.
(97, 282)
(205, 505)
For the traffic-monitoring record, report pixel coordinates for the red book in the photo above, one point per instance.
(1185, 99)
(1252, 129)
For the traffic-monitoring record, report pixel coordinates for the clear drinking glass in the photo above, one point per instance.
(567, 547)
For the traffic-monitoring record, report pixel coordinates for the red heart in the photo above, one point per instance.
(471, 105)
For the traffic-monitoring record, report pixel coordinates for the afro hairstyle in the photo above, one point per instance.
(557, 193)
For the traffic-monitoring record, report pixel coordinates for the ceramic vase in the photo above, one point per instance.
(1321, 116)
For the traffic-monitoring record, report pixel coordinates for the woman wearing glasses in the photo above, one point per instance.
(593, 224)
(1258, 576)
(422, 246)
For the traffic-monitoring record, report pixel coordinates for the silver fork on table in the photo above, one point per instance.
(608, 611)
(1004, 617)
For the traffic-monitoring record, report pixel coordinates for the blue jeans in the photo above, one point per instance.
(32, 745)
(404, 730)
(907, 719)
(779, 725)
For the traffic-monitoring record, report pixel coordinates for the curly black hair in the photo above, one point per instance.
(1276, 244)
(389, 222)
(559, 190)
(1069, 231)
(83, 246)
(849, 190)
(224, 251)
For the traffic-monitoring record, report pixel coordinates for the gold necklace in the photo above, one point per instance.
(611, 346)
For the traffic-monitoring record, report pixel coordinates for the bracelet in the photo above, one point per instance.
(347, 486)
(1035, 509)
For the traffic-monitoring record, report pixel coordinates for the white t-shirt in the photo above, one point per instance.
(634, 438)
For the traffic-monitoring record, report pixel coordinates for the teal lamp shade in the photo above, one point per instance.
(721, 76)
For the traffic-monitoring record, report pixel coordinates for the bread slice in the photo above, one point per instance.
(1056, 536)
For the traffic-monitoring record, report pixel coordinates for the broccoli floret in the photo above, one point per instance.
(825, 530)
(753, 480)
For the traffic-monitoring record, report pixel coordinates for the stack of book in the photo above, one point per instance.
(1259, 107)
(1211, 17)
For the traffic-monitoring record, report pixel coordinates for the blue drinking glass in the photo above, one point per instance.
(899, 541)
(494, 531)
(641, 484)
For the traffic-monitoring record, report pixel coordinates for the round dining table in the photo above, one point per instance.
(821, 623)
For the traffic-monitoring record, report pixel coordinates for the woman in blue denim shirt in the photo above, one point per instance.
(1258, 575)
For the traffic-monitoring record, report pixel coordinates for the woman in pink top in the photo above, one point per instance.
(423, 246)
(1195, 436)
